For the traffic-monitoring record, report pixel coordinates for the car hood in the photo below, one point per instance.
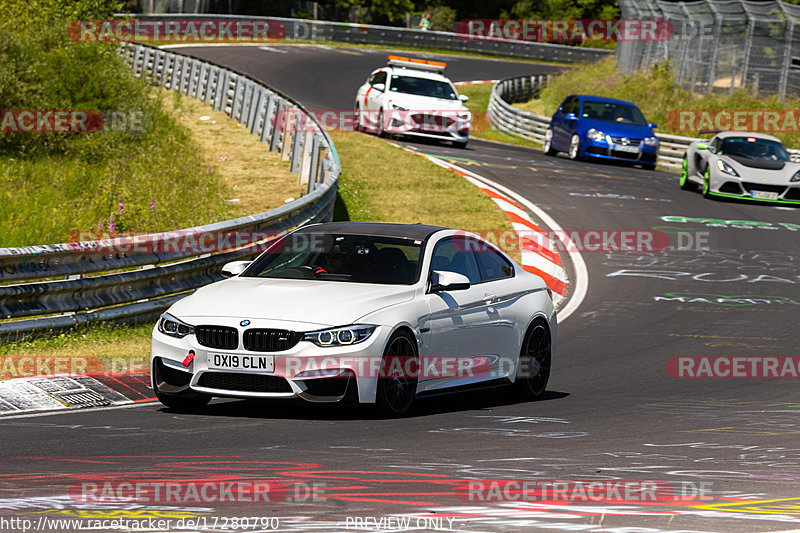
(773, 172)
(327, 303)
(758, 163)
(617, 130)
(425, 103)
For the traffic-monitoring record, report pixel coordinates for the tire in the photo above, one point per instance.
(684, 176)
(460, 144)
(397, 382)
(188, 402)
(707, 183)
(649, 166)
(381, 131)
(575, 148)
(357, 126)
(533, 369)
(547, 146)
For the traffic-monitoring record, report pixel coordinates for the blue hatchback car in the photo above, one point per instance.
(591, 126)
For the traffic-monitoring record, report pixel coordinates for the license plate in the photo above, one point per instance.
(624, 148)
(261, 363)
(763, 195)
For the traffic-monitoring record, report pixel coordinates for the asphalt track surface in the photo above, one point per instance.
(612, 411)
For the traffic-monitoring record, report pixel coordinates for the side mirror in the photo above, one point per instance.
(702, 146)
(443, 280)
(652, 126)
(234, 268)
(379, 87)
(571, 116)
(463, 97)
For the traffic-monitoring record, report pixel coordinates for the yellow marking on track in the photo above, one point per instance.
(745, 431)
(757, 506)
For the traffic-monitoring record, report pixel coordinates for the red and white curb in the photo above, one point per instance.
(539, 255)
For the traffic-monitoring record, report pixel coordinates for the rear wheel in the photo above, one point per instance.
(547, 147)
(684, 178)
(397, 382)
(533, 369)
(575, 148)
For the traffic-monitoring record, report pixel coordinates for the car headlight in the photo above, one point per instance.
(397, 107)
(596, 135)
(796, 176)
(726, 168)
(651, 141)
(343, 336)
(169, 325)
(465, 115)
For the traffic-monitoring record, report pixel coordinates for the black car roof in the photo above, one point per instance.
(378, 229)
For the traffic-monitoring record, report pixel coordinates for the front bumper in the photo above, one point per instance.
(306, 371)
(605, 150)
(433, 126)
(737, 187)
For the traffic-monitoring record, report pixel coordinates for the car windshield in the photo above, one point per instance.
(613, 112)
(422, 87)
(753, 148)
(333, 257)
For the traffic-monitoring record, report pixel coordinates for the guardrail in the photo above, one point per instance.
(514, 121)
(144, 275)
(346, 32)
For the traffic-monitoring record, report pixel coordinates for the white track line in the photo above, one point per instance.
(581, 283)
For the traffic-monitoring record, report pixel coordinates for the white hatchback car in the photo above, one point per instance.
(380, 313)
(413, 97)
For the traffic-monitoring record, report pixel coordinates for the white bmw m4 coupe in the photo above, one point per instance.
(378, 313)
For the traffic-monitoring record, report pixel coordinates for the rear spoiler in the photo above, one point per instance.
(706, 132)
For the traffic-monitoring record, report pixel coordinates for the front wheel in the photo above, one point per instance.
(399, 373)
(684, 178)
(575, 148)
(533, 368)
(460, 144)
(188, 401)
(381, 124)
(707, 183)
(547, 147)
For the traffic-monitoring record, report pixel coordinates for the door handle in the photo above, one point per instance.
(489, 298)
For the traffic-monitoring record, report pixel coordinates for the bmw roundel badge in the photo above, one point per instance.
(244, 323)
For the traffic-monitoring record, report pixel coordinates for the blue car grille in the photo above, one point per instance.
(630, 142)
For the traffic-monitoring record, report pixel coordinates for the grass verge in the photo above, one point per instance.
(479, 95)
(654, 91)
(379, 183)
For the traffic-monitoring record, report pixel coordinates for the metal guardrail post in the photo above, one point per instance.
(297, 145)
(278, 125)
(266, 129)
(123, 292)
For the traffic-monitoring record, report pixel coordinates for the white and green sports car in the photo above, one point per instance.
(738, 164)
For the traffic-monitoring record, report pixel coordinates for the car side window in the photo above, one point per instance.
(714, 144)
(454, 255)
(565, 105)
(493, 265)
(378, 77)
(571, 105)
